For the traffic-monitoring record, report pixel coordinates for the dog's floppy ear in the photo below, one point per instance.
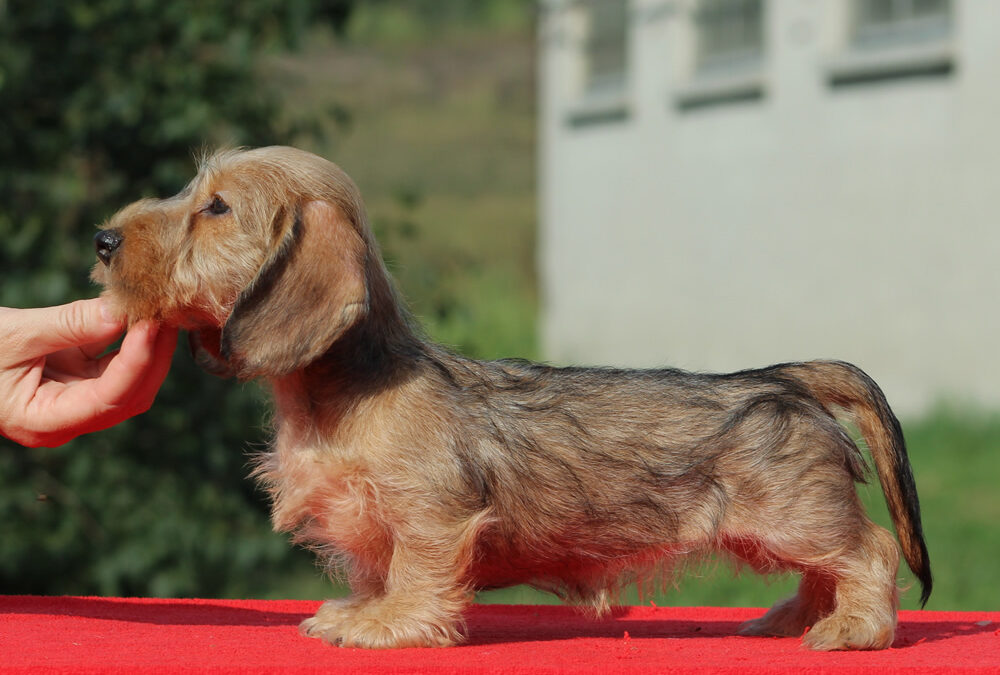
(310, 290)
(205, 345)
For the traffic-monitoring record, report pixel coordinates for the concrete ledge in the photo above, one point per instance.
(875, 65)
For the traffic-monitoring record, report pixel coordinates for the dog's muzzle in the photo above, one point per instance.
(107, 242)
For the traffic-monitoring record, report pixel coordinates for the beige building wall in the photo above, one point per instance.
(826, 201)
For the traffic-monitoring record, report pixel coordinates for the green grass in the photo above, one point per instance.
(955, 457)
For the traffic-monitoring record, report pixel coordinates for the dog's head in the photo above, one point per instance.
(264, 257)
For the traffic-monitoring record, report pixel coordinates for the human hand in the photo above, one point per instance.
(54, 383)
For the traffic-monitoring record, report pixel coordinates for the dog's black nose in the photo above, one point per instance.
(107, 242)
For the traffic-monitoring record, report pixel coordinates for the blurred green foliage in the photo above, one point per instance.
(441, 141)
(102, 102)
(106, 101)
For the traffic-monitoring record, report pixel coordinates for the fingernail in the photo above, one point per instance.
(107, 313)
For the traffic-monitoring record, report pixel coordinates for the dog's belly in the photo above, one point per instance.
(565, 569)
(488, 576)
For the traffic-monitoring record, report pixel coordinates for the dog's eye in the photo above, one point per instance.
(217, 207)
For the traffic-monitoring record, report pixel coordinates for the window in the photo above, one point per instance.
(730, 33)
(892, 39)
(880, 21)
(729, 54)
(605, 46)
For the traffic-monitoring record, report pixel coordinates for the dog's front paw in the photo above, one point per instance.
(379, 624)
(330, 620)
(377, 632)
(314, 627)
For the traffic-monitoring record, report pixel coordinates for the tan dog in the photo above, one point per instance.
(424, 476)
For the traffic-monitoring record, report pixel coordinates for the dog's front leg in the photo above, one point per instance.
(423, 593)
(422, 605)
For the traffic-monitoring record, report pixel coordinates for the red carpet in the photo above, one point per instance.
(79, 635)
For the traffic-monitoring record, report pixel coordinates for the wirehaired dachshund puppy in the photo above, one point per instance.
(422, 476)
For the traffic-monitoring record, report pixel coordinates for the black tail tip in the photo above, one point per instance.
(926, 585)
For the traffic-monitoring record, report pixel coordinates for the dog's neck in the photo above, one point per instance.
(379, 353)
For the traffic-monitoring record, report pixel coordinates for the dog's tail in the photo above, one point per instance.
(835, 383)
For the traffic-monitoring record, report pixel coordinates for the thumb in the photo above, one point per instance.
(49, 329)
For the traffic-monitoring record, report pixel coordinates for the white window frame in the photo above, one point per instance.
(907, 43)
(724, 76)
(605, 40)
(604, 96)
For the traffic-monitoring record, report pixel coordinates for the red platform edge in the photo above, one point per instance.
(145, 635)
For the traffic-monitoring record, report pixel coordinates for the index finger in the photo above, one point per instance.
(134, 375)
(38, 331)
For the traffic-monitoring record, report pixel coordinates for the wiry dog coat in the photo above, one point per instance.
(424, 476)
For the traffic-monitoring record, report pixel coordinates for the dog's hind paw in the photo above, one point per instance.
(848, 632)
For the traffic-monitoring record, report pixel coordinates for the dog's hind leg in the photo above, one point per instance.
(866, 596)
(792, 616)
(847, 601)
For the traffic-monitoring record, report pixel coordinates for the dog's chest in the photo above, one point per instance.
(324, 497)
